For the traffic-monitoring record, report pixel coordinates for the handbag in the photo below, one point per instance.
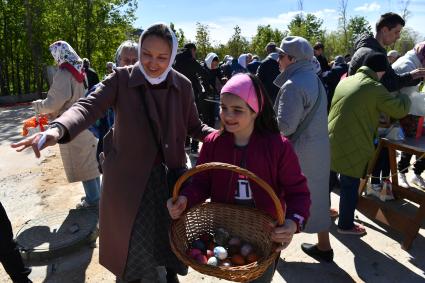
(172, 175)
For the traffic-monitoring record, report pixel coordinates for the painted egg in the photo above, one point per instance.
(232, 250)
(221, 237)
(220, 252)
(201, 259)
(252, 257)
(198, 244)
(246, 249)
(210, 253)
(226, 263)
(193, 253)
(212, 261)
(210, 245)
(235, 241)
(238, 260)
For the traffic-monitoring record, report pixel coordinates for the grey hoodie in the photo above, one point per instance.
(367, 44)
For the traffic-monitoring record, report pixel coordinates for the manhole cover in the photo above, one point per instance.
(56, 234)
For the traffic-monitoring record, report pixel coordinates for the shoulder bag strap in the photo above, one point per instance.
(304, 124)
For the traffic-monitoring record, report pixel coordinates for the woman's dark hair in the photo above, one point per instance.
(266, 119)
(190, 46)
(161, 31)
(389, 20)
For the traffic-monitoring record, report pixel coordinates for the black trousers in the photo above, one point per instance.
(9, 254)
(382, 166)
(404, 162)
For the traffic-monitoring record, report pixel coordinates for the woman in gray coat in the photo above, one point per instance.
(302, 117)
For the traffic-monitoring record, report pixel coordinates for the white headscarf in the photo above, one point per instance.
(242, 60)
(62, 52)
(209, 58)
(163, 76)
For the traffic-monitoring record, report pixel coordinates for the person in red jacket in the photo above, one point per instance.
(250, 139)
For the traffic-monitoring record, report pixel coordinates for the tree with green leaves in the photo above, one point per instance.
(356, 26)
(309, 27)
(408, 39)
(94, 28)
(181, 39)
(264, 35)
(203, 44)
(343, 21)
(237, 44)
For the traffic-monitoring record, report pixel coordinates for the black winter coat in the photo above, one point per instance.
(267, 73)
(366, 44)
(190, 68)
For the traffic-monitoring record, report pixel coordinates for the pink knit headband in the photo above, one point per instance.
(241, 85)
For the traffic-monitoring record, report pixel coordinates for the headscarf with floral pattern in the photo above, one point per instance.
(66, 57)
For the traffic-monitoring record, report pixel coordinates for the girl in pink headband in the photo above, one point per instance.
(250, 139)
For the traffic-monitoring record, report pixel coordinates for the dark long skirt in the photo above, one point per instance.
(149, 243)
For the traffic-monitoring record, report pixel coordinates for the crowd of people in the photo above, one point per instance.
(300, 123)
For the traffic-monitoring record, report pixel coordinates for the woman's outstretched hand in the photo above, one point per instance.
(38, 141)
(176, 209)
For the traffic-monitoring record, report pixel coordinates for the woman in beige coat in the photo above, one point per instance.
(78, 156)
(154, 111)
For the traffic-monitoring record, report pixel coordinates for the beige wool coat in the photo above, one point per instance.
(130, 156)
(78, 156)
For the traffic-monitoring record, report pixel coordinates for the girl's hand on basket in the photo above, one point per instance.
(38, 141)
(176, 209)
(283, 234)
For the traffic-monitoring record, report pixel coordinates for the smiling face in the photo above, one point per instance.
(236, 116)
(155, 55)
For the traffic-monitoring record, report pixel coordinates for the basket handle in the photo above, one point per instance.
(242, 171)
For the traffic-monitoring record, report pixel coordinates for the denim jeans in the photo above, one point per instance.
(347, 201)
(92, 190)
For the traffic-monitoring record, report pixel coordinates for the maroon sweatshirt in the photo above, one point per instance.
(269, 156)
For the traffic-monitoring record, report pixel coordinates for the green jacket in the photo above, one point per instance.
(353, 120)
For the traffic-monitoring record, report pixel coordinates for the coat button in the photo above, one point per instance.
(166, 145)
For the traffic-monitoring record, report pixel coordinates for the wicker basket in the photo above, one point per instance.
(250, 224)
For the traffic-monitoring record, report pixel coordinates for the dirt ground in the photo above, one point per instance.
(31, 188)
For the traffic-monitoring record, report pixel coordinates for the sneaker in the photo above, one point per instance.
(418, 181)
(374, 190)
(85, 205)
(356, 230)
(387, 191)
(402, 180)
